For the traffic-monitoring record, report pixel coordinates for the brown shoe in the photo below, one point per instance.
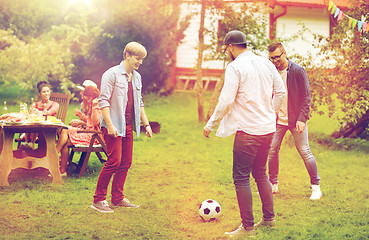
(125, 203)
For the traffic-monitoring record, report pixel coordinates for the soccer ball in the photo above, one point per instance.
(209, 210)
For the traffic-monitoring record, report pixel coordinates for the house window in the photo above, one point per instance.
(220, 35)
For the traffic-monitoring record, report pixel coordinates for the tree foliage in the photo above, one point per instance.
(155, 24)
(341, 81)
(31, 54)
(66, 44)
(248, 18)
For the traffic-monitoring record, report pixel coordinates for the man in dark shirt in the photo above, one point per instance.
(292, 116)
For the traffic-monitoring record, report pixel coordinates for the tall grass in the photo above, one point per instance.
(173, 172)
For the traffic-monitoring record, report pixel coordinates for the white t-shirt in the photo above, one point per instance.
(283, 114)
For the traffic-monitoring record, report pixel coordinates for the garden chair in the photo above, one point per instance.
(97, 149)
(63, 100)
(87, 150)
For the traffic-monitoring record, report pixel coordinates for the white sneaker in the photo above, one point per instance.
(275, 188)
(316, 194)
(241, 231)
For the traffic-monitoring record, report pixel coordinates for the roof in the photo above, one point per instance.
(313, 3)
(301, 3)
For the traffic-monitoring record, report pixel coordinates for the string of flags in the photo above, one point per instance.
(357, 25)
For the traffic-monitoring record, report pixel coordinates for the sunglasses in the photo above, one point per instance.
(275, 57)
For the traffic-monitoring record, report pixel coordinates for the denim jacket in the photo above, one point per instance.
(298, 90)
(114, 88)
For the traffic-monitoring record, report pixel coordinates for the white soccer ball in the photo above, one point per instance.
(209, 210)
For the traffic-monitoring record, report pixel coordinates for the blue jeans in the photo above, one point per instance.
(250, 154)
(302, 146)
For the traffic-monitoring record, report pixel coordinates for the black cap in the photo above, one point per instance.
(235, 37)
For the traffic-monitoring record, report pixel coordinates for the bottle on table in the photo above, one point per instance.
(5, 109)
(44, 111)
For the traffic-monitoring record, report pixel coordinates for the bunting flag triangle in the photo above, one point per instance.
(330, 5)
(364, 27)
(333, 9)
(359, 25)
(336, 12)
(350, 21)
(354, 22)
(341, 16)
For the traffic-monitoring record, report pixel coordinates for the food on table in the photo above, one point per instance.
(32, 118)
(53, 119)
(11, 117)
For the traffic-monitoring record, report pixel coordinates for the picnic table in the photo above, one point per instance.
(45, 155)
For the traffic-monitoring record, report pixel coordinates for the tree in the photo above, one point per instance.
(49, 56)
(344, 85)
(155, 24)
(199, 86)
(205, 5)
(66, 44)
(25, 64)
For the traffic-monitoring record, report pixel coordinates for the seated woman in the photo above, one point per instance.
(42, 107)
(89, 120)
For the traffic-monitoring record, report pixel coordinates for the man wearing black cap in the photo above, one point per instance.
(252, 94)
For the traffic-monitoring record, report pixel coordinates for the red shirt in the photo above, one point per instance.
(52, 108)
(129, 108)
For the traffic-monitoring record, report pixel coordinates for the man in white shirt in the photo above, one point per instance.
(248, 105)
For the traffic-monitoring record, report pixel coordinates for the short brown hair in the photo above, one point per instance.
(274, 45)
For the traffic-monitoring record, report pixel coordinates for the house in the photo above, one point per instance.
(284, 17)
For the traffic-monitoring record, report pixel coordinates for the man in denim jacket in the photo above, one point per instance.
(122, 109)
(292, 116)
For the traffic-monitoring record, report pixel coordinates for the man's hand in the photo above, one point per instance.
(206, 132)
(148, 131)
(112, 131)
(300, 126)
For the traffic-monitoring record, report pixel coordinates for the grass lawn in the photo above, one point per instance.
(177, 169)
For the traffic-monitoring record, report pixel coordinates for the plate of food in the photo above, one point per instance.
(11, 119)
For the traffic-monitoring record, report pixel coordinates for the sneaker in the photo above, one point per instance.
(241, 231)
(102, 206)
(125, 203)
(275, 188)
(316, 194)
(270, 223)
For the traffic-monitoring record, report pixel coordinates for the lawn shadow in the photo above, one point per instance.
(37, 174)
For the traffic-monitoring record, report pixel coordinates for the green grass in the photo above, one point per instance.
(173, 172)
